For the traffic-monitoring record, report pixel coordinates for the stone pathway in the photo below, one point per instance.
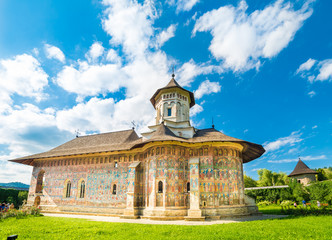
(177, 222)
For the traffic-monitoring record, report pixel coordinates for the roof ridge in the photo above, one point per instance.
(107, 133)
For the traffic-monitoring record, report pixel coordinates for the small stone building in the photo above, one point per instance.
(174, 171)
(302, 173)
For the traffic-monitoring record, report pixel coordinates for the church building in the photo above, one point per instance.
(174, 171)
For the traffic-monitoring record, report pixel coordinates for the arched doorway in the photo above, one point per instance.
(37, 201)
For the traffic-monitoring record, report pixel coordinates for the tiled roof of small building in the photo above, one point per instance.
(128, 139)
(301, 168)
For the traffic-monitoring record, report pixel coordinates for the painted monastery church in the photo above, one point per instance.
(174, 171)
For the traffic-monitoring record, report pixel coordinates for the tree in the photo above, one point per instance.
(249, 182)
(269, 178)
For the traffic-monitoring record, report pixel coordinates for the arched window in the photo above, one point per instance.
(40, 181)
(160, 187)
(188, 186)
(68, 188)
(114, 189)
(115, 164)
(82, 189)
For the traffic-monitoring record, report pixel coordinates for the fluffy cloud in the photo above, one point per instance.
(130, 24)
(196, 109)
(306, 66)
(189, 70)
(291, 140)
(53, 52)
(305, 158)
(96, 50)
(21, 75)
(183, 5)
(243, 40)
(113, 57)
(165, 35)
(313, 70)
(207, 87)
(90, 80)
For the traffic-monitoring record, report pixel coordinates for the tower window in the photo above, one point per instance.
(188, 186)
(169, 111)
(114, 189)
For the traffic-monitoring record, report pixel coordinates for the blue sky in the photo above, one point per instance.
(261, 69)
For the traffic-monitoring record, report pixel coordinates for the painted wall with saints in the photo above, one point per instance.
(220, 178)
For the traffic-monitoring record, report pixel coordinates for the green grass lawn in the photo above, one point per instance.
(271, 209)
(312, 227)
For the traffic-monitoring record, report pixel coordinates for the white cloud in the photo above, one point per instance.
(313, 70)
(325, 70)
(189, 70)
(314, 127)
(53, 52)
(21, 75)
(311, 93)
(113, 57)
(130, 24)
(291, 140)
(305, 158)
(196, 109)
(183, 5)
(90, 80)
(165, 35)
(306, 66)
(243, 40)
(25, 130)
(96, 50)
(207, 87)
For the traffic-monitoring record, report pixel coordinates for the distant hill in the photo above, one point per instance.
(14, 185)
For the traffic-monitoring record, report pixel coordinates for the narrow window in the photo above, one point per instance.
(115, 164)
(82, 192)
(160, 187)
(114, 189)
(68, 187)
(169, 111)
(188, 186)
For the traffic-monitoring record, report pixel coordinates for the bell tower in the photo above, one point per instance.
(172, 104)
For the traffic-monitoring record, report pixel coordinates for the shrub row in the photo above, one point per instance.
(320, 191)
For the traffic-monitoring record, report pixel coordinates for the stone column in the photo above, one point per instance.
(194, 213)
(132, 191)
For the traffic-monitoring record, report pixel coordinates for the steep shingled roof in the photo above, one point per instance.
(172, 84)
(128, 139)
(301, 168)
(105, 142)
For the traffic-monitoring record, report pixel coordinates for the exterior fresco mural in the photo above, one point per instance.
(219, 182)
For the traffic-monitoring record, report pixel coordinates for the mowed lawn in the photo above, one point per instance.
(312, 227)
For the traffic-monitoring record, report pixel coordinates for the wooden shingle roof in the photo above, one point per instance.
(128, 139)
(301, 168)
